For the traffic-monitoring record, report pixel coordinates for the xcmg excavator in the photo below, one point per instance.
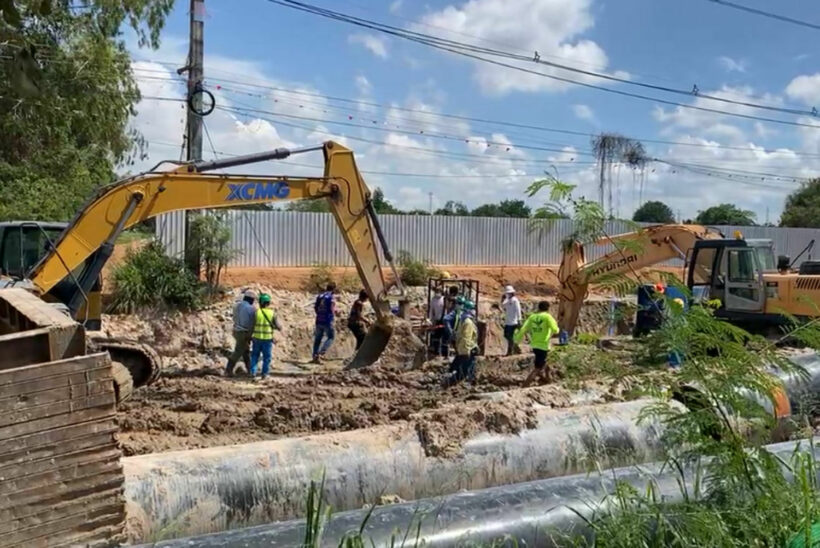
(754, 290)
(68, 274)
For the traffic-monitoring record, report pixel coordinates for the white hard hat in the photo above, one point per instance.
(509, 289)
(249, 294)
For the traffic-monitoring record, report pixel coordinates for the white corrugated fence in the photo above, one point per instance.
(291, 238)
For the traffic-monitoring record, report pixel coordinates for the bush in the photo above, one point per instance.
(415, 272)
(322, 274)
(149, 278)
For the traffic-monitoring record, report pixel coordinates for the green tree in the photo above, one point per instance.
(211, 242)
(654, 212)
(66, 94)
(417, 212)
(725, 214)
(802, 207)
(505, 208)
(453, 208)
(309, 206)
(381, 205)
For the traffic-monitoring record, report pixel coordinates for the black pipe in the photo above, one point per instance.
(542, 513)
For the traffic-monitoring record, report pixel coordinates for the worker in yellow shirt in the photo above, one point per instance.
(463, 366)
(262, 342)
(540, 326)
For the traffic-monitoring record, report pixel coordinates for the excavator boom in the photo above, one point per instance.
(633, 251)
(114, 208)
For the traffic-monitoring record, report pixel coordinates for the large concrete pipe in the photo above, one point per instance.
(193, 492)
(539, 514)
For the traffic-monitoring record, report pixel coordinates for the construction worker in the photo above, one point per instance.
(355, 321)
(540, 326)
(325, 308)
(266, 322)
(463, 366)
(451, 321)
(244, 318)
(435, 318)
(512, 318)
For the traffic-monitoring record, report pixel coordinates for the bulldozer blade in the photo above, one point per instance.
(373, 345)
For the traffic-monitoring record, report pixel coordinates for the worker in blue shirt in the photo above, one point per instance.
(244, 319)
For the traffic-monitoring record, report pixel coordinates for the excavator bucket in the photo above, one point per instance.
(373, 345)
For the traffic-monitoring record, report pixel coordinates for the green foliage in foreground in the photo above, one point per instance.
(739, 494)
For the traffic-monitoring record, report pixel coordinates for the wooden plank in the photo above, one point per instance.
(47, 383)
(51, 512)
(25, 473)
(30, 461)
(87, 520)
(57, 482)
(50, 439)
(31, 402)
(104, 476)
(69, 407)
(78, 364)
(79, 415)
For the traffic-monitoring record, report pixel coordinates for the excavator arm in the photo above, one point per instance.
(126, 203)
(633, 251)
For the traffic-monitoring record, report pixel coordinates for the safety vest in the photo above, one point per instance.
(263, 329)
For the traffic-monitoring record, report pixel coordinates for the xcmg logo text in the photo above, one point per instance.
(272, 190)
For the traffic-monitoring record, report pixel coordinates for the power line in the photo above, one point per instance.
(245, 110)
(470, 50)
(768, 14)
(472, 119)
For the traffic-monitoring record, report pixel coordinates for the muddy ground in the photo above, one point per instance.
(192, 405)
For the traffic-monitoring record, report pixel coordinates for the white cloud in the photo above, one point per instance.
(550, 27)
(732, 65)
(376, 45)
(805, 88)
(395, 6)
(583, 112)
(363, 85)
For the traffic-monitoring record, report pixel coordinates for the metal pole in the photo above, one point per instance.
(194, 124)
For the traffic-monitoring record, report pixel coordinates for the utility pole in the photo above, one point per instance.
(196, 74)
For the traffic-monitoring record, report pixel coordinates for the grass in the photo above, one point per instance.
(134, 235)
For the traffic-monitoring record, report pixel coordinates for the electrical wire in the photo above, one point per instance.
(470, 50)
(358, 102)
(768, 14)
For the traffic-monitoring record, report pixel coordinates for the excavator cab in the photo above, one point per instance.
(731, 271)
(24, 243)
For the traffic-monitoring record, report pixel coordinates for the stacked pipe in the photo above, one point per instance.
(540, 513)
(194, 492)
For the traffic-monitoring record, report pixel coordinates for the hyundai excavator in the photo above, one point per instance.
(754, 291)
(69, 272)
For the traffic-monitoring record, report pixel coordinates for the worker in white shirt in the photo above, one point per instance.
(435, 315)
(512, 318)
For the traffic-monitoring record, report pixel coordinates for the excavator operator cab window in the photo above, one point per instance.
(744, 286)
(701, 267)
(22, 246)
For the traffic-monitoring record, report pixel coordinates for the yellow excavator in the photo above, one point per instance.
(755, 291)
(66, 262)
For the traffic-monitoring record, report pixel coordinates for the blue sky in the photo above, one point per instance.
(288, 64)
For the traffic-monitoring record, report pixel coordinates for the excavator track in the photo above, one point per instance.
(134, 364)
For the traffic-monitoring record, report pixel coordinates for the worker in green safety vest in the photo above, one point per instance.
(262, 342)
(540, 326)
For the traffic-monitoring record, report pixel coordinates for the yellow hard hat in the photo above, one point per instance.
(445, 274)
